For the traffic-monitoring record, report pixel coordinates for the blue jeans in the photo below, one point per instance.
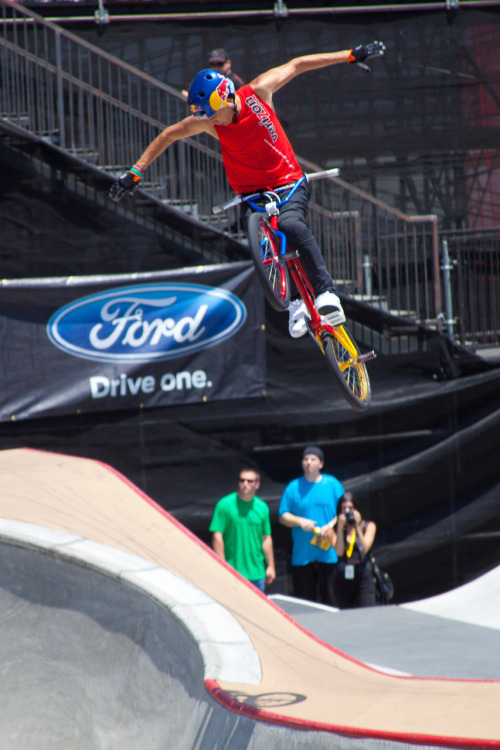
(293, 222)
(260, 584)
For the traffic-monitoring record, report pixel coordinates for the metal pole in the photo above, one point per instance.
(435, 268)
(447, 267)
(280, 10)
(60, 93)
(367, 274)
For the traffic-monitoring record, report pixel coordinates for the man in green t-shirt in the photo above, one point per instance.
(241, 531)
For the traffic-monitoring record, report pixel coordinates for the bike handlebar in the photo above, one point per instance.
(229, 204)
(309, 177)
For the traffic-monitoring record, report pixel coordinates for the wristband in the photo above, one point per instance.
(137, 172)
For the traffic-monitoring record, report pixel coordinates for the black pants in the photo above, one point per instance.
(359, 592)
(315, 580)
(292, 221)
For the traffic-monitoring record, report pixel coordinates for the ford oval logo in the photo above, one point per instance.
(147, 322)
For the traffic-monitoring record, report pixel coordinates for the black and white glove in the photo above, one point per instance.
(365, 52)
(126, 184)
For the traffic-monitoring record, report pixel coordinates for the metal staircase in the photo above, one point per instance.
(98, 113)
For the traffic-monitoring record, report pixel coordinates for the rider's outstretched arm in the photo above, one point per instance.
(184, 129)
(275, 78)
(129, 181)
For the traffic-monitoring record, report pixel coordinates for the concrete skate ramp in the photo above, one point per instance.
(134, 663)
(475, 602)
(89, 662)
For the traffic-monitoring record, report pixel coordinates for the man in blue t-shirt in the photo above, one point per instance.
(310, 503)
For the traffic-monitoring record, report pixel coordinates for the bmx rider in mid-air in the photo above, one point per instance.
(258, 156)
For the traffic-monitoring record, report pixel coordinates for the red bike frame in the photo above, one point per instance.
(304, 287)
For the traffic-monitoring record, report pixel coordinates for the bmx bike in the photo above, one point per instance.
(275, 263)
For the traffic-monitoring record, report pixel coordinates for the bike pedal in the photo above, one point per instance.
(366, 357)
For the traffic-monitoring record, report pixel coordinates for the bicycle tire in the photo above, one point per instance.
(351, 375)
(272, 275)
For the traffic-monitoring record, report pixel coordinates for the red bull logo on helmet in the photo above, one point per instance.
(218, 98)
(195, 109)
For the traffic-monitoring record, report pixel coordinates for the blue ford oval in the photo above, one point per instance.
(146, 323)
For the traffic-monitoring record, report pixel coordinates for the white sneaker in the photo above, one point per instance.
(328, 305)
(297, 324)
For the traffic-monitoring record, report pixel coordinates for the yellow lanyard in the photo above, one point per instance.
(351, 544)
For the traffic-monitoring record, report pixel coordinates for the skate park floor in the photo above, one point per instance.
(120, 629)
(455, 635)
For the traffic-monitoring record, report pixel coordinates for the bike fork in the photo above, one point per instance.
(304, 287)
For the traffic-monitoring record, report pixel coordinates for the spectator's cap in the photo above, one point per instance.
(217, 56)
(313, 450)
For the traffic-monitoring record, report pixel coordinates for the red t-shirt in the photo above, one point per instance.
(256, 152)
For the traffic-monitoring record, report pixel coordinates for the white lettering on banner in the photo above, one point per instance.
(136, 331)
(102, 387)
(177, 381)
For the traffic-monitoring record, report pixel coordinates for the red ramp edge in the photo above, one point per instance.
(271, 717)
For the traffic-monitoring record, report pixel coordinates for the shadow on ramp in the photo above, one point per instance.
(89, 662)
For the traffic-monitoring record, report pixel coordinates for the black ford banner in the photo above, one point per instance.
(99, 343)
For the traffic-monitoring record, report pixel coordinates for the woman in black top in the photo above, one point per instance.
(354, 586)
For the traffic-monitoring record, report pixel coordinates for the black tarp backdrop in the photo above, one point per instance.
(423, 459)
(56, 220)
